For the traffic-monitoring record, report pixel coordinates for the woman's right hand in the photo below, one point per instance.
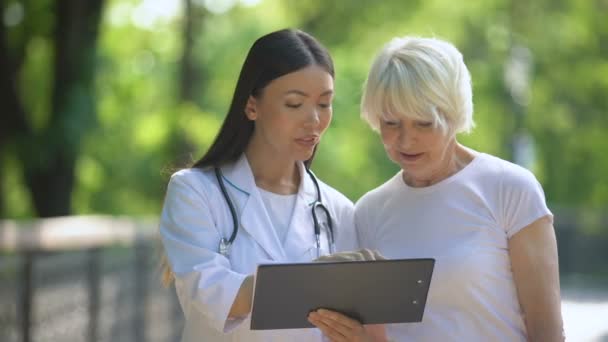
(241, 306)
(340, 328)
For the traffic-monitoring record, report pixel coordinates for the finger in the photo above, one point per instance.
(342, 256)
(358, 254)
(340, 322)
(329, 327)
(378, 255)
(377, 332)
(326, 326)
(367, 254)
(331, 333)
(323, 258)
(329, 257)
(349, 256)
(343, 328)
(361, 255)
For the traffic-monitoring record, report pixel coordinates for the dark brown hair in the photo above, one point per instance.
(271, 56)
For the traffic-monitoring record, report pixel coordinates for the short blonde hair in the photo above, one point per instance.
(422, 79)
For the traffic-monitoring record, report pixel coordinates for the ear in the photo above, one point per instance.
(251, 108)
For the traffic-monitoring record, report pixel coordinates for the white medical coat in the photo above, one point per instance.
(196, 216)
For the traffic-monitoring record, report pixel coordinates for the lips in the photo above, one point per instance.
(308, 141)
(410, 157)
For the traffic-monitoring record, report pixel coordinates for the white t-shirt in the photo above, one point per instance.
(280, 210)
(464, 222)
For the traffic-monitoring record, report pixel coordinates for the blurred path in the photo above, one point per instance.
(585, 309)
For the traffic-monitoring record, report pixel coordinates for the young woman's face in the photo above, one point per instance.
(422, 150)
(293, 112)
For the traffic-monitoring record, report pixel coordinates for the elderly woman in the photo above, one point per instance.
(482, 218)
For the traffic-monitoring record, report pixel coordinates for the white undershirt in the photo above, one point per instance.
(280, 209)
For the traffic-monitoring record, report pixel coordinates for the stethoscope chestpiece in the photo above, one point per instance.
(224, 248)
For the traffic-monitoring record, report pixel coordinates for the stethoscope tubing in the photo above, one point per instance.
(225, 244)
(235, 219)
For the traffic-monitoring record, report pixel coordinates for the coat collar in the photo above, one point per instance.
(254, 217)
(240, 176)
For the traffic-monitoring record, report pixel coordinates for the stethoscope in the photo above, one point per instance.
(317, 205)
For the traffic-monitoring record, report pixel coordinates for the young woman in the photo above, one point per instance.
(251, 197)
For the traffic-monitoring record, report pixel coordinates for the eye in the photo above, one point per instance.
(293, 105)
(424, 124)
(325, 105)
(390, 123)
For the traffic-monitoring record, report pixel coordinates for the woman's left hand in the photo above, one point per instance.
(340, 328)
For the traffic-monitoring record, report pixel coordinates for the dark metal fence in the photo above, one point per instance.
(96, 278)
(582, 241)
(108, 290)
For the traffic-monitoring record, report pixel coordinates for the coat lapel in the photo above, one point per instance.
(300, 235)
(253, 215)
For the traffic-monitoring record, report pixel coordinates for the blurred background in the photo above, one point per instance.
(101, 100)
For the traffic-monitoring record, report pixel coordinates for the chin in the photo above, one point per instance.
(411, 170)
(303, 155)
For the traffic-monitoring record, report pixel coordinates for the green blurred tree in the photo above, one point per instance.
(163, 87)
(48, 154)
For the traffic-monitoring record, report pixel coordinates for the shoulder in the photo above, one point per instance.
(510, 174)
(379, 196)
(190, 176)
(190, 180)
(334, 196)
(490, 170)
(520, 198)
(513, 189)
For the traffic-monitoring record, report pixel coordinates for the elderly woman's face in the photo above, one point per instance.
(423, 151)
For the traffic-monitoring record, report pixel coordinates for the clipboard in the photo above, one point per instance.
(372, 292)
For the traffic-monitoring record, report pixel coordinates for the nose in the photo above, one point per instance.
(407, 137)
(313, 117)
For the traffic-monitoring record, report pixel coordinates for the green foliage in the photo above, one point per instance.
(144, 132)
(17, 201)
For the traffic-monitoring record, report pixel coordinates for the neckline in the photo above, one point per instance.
(274, 194)
(431, 188)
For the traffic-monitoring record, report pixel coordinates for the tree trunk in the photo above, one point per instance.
(49, 157)
(189, 82)
(13, 114)
(190, 74)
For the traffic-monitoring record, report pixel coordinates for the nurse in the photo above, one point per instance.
(281, 107)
